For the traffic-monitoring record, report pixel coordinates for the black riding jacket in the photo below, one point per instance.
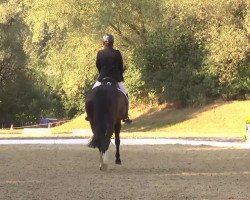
(110, 64)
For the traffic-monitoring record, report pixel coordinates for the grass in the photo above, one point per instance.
(220, 119)
(8, 131)
(76, 123)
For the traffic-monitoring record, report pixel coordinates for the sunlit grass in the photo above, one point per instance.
(8, 131)
(76, 123)
(221, 119)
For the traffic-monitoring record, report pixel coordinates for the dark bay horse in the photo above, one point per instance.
(106, 107)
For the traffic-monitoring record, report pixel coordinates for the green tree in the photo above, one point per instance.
(23, 96)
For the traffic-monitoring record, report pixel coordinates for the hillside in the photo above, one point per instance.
(220, 119)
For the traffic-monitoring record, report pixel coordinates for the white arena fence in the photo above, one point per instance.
(40, 125)
(237, 145)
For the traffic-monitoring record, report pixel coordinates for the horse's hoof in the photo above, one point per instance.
(118, 162)
(104, 167)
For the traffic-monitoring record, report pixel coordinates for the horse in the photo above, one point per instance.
(105, 107)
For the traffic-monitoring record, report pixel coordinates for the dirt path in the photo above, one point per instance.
(65, 172)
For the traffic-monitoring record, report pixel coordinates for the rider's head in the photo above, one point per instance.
(108, 40)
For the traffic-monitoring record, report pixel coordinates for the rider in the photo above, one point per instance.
(109, 63)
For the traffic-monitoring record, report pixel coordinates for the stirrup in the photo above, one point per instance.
(127, 120)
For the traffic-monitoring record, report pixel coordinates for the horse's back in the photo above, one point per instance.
(106, 100)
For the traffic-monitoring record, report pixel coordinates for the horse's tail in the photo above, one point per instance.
(101, 138)
(102, 129)
(99, 135)
(93, 142)
(98, 126)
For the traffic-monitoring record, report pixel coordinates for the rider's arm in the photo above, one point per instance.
(120, 62)
(98, 63)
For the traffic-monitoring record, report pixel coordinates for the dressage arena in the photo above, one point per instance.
(65, 172)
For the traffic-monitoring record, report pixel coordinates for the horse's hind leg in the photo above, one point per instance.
(104, 161)
(117, 143)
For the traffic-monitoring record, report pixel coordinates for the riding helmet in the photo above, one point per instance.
(108, 38)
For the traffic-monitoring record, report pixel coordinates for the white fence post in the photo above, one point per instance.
(248, 132)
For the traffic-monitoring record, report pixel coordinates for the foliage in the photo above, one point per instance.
(186, 51)
(248, 119)
(200, 53)
(171, 65)
(22, 97)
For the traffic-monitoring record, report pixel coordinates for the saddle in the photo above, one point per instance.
(109, 82)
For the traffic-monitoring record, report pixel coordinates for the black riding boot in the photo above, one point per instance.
(126, 118)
